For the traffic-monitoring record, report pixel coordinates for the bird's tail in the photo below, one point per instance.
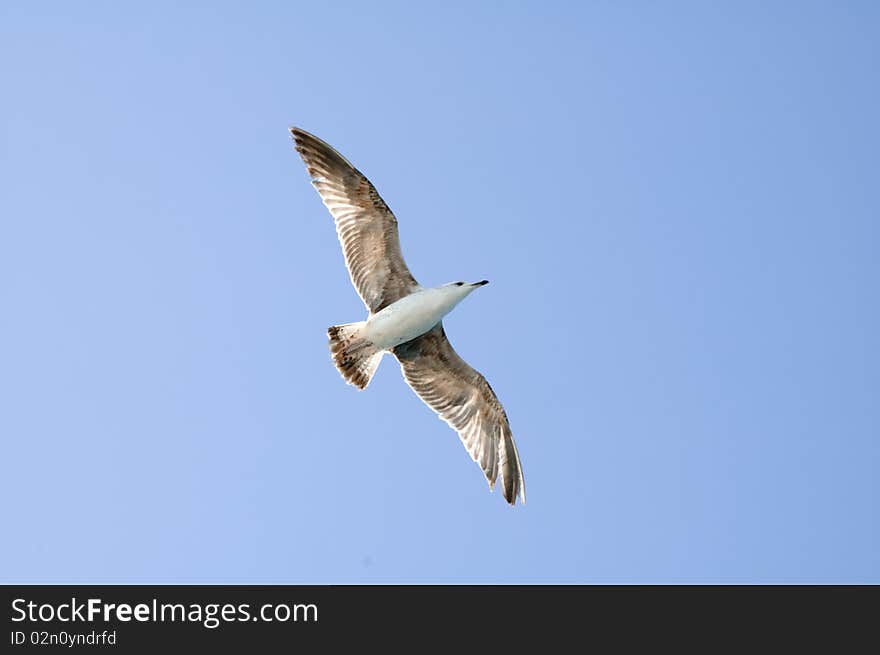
(355, 357)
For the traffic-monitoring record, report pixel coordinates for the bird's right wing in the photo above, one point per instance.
(462, 397)
(365, 225)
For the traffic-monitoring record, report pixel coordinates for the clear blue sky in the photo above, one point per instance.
(676, 203)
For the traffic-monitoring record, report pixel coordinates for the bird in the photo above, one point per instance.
(405, 318)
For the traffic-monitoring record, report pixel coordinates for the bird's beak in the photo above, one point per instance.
(480, 283)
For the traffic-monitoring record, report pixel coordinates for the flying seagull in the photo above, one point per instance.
(406, 318)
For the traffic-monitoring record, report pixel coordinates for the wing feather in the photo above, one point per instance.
(463, 398)
(366, 227)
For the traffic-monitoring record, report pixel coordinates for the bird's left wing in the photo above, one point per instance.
(365, 225)
(462, 397)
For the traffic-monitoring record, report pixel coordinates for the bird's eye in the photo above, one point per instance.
(458, 284)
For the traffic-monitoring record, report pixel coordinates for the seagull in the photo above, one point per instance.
(405, 318)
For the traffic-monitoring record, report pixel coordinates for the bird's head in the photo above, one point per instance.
(467, 285)
(455, 292)
(462, 289)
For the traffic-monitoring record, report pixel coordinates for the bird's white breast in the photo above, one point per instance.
(410, 317)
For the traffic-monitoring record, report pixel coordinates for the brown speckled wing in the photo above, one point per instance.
(462, 397)
(365, 225)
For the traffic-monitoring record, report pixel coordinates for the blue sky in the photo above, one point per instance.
(676, 203)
